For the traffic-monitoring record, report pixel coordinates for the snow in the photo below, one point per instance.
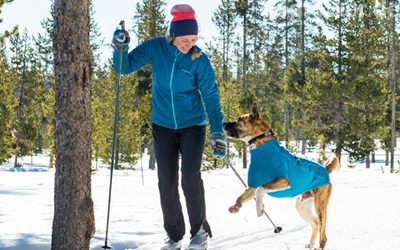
(363, 212)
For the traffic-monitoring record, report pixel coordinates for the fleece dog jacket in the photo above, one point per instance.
(272, 161)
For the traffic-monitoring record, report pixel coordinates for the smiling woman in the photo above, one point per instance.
(182, 79)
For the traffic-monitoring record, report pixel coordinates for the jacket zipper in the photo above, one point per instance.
(170, 86)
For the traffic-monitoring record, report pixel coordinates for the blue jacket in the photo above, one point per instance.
(271, 161)
(180, 85)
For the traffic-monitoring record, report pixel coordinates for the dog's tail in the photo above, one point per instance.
(332, 164)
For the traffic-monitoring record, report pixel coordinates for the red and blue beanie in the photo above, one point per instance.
(183, 22)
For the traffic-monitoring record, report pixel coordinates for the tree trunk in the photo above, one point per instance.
(244, 155)
(19, 128)
(303, 74)
(245, 55)
(394, 50)
(339, 115)
(373, 151)
(152, 161)
(386, 157)
(287, 123)
(73, 223)
(245, 78)
(287, 105)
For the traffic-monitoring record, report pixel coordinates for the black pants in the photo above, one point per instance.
(168, 145)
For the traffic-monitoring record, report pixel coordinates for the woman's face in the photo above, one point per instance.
(185, 43)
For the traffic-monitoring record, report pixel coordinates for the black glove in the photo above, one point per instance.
(121, 41)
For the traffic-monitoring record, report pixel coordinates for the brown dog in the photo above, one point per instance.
(274, 171)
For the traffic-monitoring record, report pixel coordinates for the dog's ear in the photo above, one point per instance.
(254, 112)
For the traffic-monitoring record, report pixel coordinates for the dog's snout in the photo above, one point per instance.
(228, 125)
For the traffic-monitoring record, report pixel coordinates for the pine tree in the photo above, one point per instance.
(7, 106)
(394, 53)
(44, 49)
(251, 12)
(285, 18)
(73, 223)
(366, 73)
(225, 20)
(103, 110)
(7, 102)
(324, 91)
(24, 65)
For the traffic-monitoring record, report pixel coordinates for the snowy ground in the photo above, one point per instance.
(364, 211)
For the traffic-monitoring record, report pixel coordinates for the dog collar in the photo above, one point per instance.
(253, 140)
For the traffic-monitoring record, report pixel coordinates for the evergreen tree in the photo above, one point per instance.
(393, 53)
(251, 12)
(7, 105)
(285, 21)
(23, 64)
(103, 108)
(225, 20)
(73, 223)
(44, 49)
(328, 80)
(7, 101)
(366, 73)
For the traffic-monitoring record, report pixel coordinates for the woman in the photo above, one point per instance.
(182, 80)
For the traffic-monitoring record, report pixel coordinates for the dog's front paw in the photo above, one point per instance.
(310, 245)
(260, 208)
(234, 209)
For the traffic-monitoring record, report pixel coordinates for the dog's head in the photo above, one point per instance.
(247, 126)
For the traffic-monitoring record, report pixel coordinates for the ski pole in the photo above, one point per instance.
(277, 229)
(122, 24)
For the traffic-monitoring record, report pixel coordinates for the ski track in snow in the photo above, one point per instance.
(363, 211)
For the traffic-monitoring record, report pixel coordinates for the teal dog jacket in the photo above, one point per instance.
(272, 161)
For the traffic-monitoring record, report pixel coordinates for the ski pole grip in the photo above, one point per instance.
(122, 24)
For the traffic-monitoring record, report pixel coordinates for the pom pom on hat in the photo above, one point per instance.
(183, 22)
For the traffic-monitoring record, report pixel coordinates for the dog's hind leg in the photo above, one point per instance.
(321, 197)
(278, 184)
(304, 207)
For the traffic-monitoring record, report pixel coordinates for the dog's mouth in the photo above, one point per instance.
(232, 134)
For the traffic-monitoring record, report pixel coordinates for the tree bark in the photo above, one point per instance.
(73, 223)
(393, 88)
(339, 115)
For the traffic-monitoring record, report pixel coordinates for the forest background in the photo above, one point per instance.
(319, 75)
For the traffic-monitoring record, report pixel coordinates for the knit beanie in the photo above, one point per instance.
(183, 22)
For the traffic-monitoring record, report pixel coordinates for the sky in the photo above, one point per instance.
(29, 13)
